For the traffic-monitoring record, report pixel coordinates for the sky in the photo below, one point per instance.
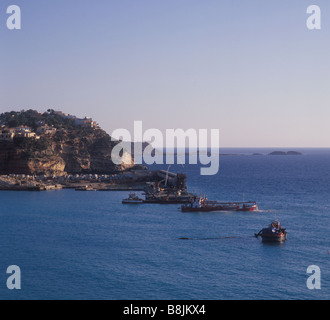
(249, 68)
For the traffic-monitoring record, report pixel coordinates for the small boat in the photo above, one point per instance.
(85, 188)
(273, 233)
(132, 199)
(204, 205)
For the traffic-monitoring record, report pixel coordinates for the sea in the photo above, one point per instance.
(73, 245)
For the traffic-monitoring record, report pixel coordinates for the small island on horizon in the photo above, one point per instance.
(285, 153)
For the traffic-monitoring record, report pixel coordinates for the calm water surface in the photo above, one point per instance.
(87, 245)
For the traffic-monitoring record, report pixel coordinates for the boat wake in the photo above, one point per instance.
(265, 211)
(246, 238)
(220, 238)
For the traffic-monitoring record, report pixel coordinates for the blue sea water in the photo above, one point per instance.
(87, 245)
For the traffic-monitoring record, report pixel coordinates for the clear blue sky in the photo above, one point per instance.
(249, 68)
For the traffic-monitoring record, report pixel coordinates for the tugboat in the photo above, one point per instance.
(204, 205)
(274, 233)
(132, 199)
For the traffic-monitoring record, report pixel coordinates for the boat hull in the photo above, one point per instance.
(168, 199)
(268, 235)
(254, 208)
(273, 238)
(132, 201)
(211, 208)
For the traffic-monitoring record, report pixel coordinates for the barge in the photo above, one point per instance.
(204, 205)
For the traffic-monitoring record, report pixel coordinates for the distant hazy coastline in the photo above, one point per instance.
(245, 151)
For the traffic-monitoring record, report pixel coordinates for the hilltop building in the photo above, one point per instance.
(86, 122)
(46, 130)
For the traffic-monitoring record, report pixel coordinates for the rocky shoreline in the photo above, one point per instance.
(126, 181)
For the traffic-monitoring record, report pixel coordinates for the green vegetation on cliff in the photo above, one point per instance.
(32, 118)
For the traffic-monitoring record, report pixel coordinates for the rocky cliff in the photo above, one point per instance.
(71, 149)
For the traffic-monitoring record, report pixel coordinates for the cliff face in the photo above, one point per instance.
(89, 151)
(78, 150)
